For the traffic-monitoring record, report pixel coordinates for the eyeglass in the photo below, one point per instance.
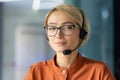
(65, 29)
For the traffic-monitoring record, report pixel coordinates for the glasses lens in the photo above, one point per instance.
(51, 30)
(68, 29)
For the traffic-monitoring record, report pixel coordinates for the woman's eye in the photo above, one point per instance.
(52, 28)
(69, 27)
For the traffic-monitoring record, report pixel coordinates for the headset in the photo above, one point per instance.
(82, 35)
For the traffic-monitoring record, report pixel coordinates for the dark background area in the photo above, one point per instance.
(1, 8)
(117, 38)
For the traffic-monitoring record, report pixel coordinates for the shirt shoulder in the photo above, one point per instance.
(38, 69)
(92, 62)
(39, 65)
(99, 68)
(95, 65)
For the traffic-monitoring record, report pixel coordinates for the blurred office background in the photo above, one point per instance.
(23, 40)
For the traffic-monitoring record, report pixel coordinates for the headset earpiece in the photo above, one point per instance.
(83, 33)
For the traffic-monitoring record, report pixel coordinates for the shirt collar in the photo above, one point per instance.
(76, 65)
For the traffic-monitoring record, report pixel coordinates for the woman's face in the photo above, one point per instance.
(60, 42)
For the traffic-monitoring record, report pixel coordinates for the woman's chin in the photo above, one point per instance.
(59, 51)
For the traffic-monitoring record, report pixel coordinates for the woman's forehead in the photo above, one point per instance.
(59, 17)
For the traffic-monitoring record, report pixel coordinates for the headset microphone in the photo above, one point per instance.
(67, 51)
(82, 36)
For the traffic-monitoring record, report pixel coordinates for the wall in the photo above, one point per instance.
(16, 17)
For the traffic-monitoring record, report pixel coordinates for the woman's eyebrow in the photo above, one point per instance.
(67, 23)
(52, 23)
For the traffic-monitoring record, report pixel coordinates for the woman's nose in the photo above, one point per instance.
(59, 33)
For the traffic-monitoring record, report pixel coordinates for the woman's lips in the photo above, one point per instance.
(60, 43)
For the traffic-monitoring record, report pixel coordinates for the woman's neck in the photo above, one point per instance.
(65, 61)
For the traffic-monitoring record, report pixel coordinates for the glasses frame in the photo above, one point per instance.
(60, 28)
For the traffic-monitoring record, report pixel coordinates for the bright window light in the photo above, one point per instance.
(46, 4)
(36, 4)
(9, 0)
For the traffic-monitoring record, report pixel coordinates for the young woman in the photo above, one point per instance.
(67, 29)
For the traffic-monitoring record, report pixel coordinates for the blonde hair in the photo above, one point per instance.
(74, 13)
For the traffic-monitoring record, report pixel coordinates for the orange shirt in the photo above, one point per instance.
(82, 69)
